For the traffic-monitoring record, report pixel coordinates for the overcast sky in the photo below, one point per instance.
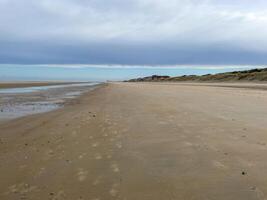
(154, 32)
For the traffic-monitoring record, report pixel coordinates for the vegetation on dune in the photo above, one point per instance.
(246, 75)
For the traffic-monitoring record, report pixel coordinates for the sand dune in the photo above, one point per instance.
(141, 141)
(253, 75)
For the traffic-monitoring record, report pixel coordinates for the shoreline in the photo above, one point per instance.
(19, 102)
(142, 141)
(22, 84)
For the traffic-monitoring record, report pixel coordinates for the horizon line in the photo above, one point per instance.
(129, 66)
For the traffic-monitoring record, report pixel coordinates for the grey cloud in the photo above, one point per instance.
(133, 31)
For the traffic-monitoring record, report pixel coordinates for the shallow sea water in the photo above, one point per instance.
(19, 102)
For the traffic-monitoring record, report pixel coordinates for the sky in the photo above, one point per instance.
(133, 32)
(70, 72)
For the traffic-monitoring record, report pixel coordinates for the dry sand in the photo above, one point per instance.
(140, 141)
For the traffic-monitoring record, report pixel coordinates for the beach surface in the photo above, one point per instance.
(31, 84)
(141, 141)
(21, 101)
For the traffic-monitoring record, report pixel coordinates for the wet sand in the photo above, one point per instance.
(31, 84)
(141, 141)
(22, 101)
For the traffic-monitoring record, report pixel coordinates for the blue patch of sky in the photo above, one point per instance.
(36, 73)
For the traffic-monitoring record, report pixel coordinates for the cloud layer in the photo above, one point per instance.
(133, 31)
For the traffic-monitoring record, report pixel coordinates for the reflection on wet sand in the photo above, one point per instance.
(18, 102)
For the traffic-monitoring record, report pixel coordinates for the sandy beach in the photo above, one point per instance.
(141, 141)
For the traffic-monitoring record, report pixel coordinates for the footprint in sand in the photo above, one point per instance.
(95, 144)
(22, 188)
(114, 190)
(59, 147)
(258, 192)
(82, 174)
(22, 166)
(188, 144)
(98, 156)
(219, 165)
(82, 155)
(41, 171)
(115, 168)
(60, 195)
(97, 181)
(119, 145)
(115, 132)
(124, 130)
(105, 135)
(48, 154)
(163, 122)
(262, 145)
(74, 133)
